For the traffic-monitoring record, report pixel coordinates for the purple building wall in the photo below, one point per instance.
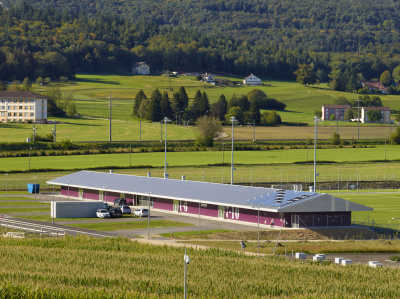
(163, 204)
(91, 194)
(187, 207)
(129, 199)
(247, 215)
(73, 192)
(111, 196)
(64, 190)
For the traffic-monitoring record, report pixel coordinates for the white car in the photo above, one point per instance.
(102, 213)
(126, 210)
(141, 212)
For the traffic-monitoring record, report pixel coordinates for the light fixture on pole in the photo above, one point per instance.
(6, 174)
(223, 153)
(165, 157)
(53, 205)
(30, 148)
(35, 177)
(314, 189)
(187, 261)
(233, 119)
(106, 193)
(68, 188)
(148, 218)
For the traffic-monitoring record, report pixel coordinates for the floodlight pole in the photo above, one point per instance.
(148, 220)
(165, 156)
(187, 261)
(258, 230)
(223, 153)
(30, 148)
(53, 206)
(68, 188)
(233, 119)
(106, 193)
(6, 183)
(110, 116)
(35, 177)
(199, 216)
(130, 155)
(315, 153)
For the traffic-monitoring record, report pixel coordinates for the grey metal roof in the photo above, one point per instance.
(221, 194)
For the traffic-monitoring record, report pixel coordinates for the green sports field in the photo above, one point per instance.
(200, 158)
(386, 206)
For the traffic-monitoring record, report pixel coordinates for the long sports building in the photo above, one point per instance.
(226, 202)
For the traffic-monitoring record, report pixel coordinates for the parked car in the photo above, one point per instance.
(102, 213)
(120, 201)
(115, 212)
(141, 212)
(126, 210)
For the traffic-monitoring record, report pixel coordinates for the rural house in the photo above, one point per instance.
(386, 118)
(252, 81)
(22, 106)
(373, 86)
(338, 110)
(141, 68)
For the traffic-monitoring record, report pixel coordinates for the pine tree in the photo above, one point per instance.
(166, 106)
(154, 112)
(138, 100)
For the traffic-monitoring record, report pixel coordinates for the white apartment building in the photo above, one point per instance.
(141, 68)
(22, 106)
(252, 80)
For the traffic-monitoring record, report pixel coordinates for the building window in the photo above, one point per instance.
(32, 114)
(32, 108)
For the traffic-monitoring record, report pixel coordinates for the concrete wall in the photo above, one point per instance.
(64, 209)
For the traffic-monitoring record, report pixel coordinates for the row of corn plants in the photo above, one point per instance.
(84, 267)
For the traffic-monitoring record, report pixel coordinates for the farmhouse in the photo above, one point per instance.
(338, 110)
(386, 119)
(141, 68)
(373, 86)
(22, 106)
(225, 202)
(252, 81)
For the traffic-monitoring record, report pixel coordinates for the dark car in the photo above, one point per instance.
(120, 201)
(115, 212)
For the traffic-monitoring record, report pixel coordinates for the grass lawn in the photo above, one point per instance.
(92, 91)
(386, 206)
(258, 173)
(13, 198)
(201, 158)
(108, 226)
(20, 210)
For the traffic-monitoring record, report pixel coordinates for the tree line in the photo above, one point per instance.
(246, 108)
(59, 38)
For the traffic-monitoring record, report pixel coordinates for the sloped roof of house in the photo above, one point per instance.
(137, 64)
(20, 94)
(376, 108)
(336, 106)
(374, 85)
(209, 193)
(251, 76)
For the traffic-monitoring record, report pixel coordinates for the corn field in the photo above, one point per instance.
(84, 267)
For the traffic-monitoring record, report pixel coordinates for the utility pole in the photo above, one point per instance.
(110, 116)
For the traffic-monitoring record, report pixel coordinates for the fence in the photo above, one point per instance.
(32, 228)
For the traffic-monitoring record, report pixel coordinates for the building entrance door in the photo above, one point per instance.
(295, 221)
(176, 205)
(221, 212)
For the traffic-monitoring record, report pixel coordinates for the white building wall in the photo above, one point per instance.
(67, 209)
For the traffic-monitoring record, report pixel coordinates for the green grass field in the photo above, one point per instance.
(199, 159)
(109, 226)
(386, 206)
(92, 92)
